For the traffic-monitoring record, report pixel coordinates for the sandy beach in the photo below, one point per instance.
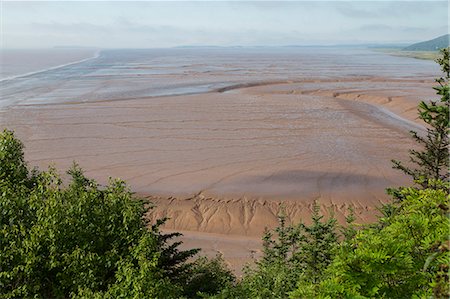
(221, 165)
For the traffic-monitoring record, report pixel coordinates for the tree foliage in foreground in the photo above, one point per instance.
(431, 163)
(407, 258)
(292, 254)
(82, 240)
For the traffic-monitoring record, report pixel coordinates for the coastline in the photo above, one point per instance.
(95, 55)
(422, 55)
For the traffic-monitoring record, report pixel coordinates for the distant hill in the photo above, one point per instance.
(430, 45)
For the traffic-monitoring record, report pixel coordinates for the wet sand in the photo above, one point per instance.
(222, 164)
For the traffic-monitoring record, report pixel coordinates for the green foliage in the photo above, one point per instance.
(275, 274)
(432, 162)
(317, 247)
(292, 254)
(443, 61)
(13, 168)
(138, 275)
(403, 259)
(81, 239)
(208, 277)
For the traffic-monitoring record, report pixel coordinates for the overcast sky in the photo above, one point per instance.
(149, 24)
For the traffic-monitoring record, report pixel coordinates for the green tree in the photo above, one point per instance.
(208, 277)
(80, 239)
(292, 255)
(13, 168)
(274, 274)
(406, 258)
(316, 249)
(432, 162)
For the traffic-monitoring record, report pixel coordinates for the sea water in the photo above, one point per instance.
(143, 73)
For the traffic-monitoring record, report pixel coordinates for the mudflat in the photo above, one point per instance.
(223, 163)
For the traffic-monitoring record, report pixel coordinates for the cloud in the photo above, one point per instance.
(68, 28)
(163, 24)
(389, 9)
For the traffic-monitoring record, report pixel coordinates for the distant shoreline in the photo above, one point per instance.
(96, 54)
(423, 55)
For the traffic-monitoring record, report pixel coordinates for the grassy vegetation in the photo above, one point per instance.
(427, 55)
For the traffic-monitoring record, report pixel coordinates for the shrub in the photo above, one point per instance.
(58, 240)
